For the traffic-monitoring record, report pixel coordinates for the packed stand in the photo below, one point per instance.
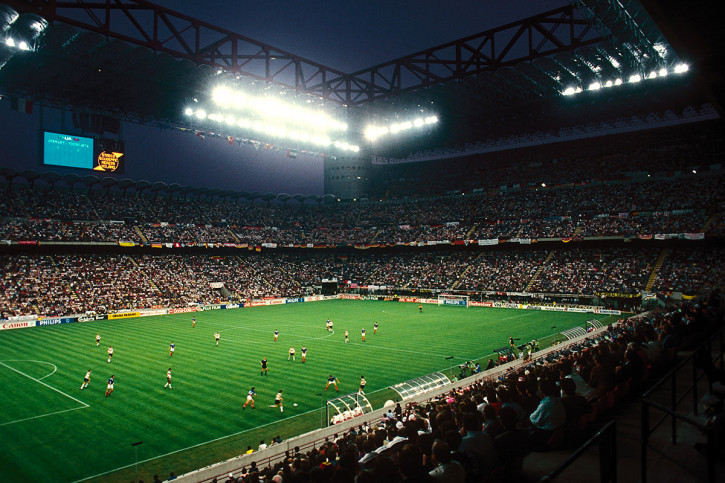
(485, 431)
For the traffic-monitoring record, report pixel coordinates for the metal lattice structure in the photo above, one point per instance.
(573, 332)
(143, 62)
(563, 30)
(419, 385)
(347, 407)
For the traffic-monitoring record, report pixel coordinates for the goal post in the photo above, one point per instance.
(451, 299)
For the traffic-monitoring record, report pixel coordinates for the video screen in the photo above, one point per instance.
(72, 151)
(67, 150)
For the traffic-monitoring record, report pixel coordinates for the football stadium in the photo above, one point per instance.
(385, 242)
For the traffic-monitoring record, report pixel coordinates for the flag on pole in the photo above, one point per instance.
(21, 105)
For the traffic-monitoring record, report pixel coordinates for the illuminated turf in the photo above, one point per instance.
(48, 426)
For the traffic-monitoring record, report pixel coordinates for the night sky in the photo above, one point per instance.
(348, 36)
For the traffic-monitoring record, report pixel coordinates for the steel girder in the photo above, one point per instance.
(142, 23)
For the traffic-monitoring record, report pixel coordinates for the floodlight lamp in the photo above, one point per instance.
(213, 117)
(188, 111)
(681, 68)
(418, 122)
(371, 133)
(239, 100)
(10, 42)
(652, 75)
(406, 125)
(231, 120)
(201, 114)
(663, 72)
(23, 45)
(222, 96)
(618, 82)
(431, 119)
(635, 78)
(569, 91)
(608, 84)
(595, 86)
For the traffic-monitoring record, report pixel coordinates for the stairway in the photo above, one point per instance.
(471, 232)
(536, 275)
(234, 236)
(656, 269)
(710, 221)
(140, 233)
(151, 282)
(468, 267)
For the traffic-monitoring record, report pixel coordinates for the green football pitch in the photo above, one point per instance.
(51, 430)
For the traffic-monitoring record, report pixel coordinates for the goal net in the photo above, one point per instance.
(450, 299)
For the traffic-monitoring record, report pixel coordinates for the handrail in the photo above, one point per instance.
(670, 410)
(607, 454)
(675, 414)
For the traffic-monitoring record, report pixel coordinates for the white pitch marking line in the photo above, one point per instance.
(55, 368)
(44, 384)
(42, 416)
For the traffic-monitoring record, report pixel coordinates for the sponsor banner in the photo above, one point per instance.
(578, 310)
(490, 241)
(211, 307)
(454, 302)
(257, 303)
(274, 302)
(216, 285)
(345, 296)
(91, 318)
(123, 315)
(56, 321)
(317, 298)
(607, 312)
(234, 306)
(152, 312)
(182, 310)
(17, 325)
(553, 309)
(694, 236)
(22, 318)
(293, 301)
(618, 295)
(408, 299)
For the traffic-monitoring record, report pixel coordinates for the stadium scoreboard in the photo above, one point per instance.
(72, 151)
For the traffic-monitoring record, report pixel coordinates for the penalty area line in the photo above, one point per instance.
(44, 384)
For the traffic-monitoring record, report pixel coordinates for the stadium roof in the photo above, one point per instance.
(142, 62)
